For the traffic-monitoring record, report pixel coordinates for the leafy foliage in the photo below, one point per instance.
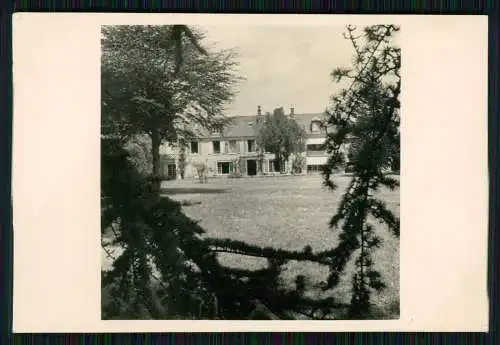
(159, 81)
(139, 147)
(299, 163)
(365, 116)
(168, 267)
(280, 135)
(202, 171)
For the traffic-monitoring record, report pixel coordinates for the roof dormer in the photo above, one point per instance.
(316, 125)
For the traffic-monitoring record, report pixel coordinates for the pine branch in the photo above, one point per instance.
(108, 253)
(365, 110)
(242, 248)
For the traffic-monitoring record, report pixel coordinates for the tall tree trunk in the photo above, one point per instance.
(285, 166)
(155, 152)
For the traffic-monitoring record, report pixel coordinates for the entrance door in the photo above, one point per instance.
(251, 167)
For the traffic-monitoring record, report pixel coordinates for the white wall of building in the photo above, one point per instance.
(321, 160)
(206, 155)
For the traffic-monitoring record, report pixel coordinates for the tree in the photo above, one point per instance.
(237, 162)
(280, 135)
(178, 32)
(182, 160)
(159, 81)
(139, 147)
(366, 114)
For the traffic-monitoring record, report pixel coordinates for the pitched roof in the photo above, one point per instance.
(245, 126)
(241, 126)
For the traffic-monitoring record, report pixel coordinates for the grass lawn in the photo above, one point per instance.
(286, 212)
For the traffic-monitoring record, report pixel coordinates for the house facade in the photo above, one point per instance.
(235, 151)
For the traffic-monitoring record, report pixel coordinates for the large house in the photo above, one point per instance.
(235, 149)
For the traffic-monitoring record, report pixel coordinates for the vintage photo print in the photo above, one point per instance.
(243, 169)
(250, 172)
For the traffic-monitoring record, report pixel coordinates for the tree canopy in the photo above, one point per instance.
(158, 80)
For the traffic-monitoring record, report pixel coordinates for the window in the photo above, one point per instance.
(216, 146)
(194, 147)
(315, 126)
(232, 146)
(251, 145)
(224, 168)
(271, 166)
(315, 147)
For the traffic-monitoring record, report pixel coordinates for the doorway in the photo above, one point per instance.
(251, 167)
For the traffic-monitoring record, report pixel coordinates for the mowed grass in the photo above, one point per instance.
(289, 213)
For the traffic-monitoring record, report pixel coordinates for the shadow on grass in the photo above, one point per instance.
(189, 203)
(192, 190)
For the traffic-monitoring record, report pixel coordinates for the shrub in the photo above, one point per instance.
(235, 175)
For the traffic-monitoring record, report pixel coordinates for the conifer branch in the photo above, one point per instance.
(367, 112)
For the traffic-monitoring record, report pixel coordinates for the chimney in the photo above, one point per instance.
(292, 111)
(259, 115)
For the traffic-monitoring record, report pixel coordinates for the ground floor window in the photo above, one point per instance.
(271, 166)
(313, 168)
(315, 147)
(171, 170)
(224, 168)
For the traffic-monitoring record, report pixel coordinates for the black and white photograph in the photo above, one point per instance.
(250, 172)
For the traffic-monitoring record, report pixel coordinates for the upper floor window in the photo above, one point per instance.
(251, 145)
(216, 146)
(232, 146)
(315, 126)
(194, 147)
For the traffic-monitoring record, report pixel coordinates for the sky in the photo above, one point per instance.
(283, 66)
